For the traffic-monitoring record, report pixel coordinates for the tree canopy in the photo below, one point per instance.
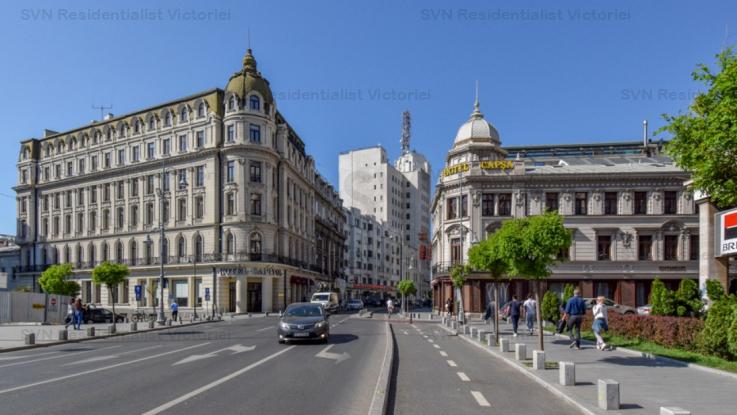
(704, 140)
(406, 287)
(54, 280)
(110, 274)
(487, 256)
(531, 245)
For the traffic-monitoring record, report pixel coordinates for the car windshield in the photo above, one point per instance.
(320, 297)
(304, 311)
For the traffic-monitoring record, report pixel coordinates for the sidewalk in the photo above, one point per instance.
(645, 384)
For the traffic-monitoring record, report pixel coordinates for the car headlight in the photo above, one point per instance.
(320, 324)
(284, 325)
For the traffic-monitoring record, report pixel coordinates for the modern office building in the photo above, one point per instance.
(221, 171)
(625, 203)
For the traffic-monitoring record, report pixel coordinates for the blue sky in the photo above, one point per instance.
(549, 72)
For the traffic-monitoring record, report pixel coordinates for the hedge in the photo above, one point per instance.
(677, 332)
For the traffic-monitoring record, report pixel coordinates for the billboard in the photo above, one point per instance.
(726, 233)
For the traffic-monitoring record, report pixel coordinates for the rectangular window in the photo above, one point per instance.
(230, 172)
(107, 160)
(46, 203)
(80, 197)
(57, 202)
(256, 171)
(106, 192)
(200, 139)
(134, 215)
(254, 133)
(640, 207)
(464, 206)
(80, 222)
(182, 143)
(166, 146)
(93, 163)
(121, 157)
(694, 248)
(57, 171)
(455, 250)
(150, 150)
(150, 184)
(199, 207)
(136, 153)
(121, 190)
(93, 221)
(610, 203)
(182, 176)
(181, 291)
(134, 187)
(47, 174)
(230, 135)
(487, 204)
(199, 176)
(93, 194)
(256, 204)
(551, 202)
(68, 224)
(230, 204)
(166, 177)
(451, 208)
(182, 210)
(670, 203)
(670, 248)
(165, 211)
(505, 204)
(68, 199)
(70, 168)
(645, 248)
(105, 219)
(581, 203)
(149, 216)
(603, 247)
(80, 166)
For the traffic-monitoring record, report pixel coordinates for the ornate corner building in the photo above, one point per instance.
(248, 222)
(631, 217)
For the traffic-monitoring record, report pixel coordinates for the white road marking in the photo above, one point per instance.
(405, 333)
(381, 372)
(109, 356)
(99, 369)
(463, 377)
(71, 355)
(442, 353)
(424, 336)
(338, 357)
(480, 398)
(218, 382)
(265, 328)
(436, 332)
(430, 341)
(236, 348)
(436, 346)
(452, 363)
(24, 356)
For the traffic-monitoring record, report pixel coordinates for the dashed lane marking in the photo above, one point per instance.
(442, 353)
(480, 398)
(265, 328)
(436, 346)
(57, 357)
(24, 356)
(430, 341)
(452, 363)
(463, 377)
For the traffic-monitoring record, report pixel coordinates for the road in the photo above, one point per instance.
(442, 374)
(231, 367)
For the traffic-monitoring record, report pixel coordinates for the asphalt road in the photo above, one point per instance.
(231, 367)
(442, 374)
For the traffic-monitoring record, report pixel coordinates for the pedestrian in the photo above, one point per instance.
(515, 307)
(489, 312)
(174, 310)
(69, 319)
(574, 312)
(78, 314)
(601, 322)
(449, 307)
(389, 306)
(530, 312)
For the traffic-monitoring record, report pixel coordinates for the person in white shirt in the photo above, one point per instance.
(530, 306)
(390, 306)
(601, 322)
(70, 313)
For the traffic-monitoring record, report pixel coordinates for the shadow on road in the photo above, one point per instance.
(342, 338)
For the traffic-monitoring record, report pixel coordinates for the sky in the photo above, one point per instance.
(343, 72)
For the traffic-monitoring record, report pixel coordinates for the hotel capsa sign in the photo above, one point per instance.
(726, 233)
(235, 271)
(484, 165)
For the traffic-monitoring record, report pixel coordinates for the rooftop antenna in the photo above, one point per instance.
(102, 109)
(249, 38)
(644, 133)
(406, 124)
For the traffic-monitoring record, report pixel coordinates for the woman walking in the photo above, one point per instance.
(601, 322)
(78, 314)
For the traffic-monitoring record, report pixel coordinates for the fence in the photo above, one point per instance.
(19, 307)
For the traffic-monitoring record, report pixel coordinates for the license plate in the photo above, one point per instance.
(301, 334)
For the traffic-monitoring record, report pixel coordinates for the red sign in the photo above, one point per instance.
(730, 226)
(53, 300)
(374, 287)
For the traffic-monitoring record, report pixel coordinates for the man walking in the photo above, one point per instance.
(514, 312)
(530, 312)
(174, 311)
(574, 312)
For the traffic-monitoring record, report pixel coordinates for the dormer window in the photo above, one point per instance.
(254, 103)
(167, 120)
(137, 126)
(151, 124)
(97, 138)
(183, 115)
(109, 135)
(201, 110)
(231, 103)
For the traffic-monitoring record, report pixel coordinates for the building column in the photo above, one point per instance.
(710, 267)
(240, 296)
(266, 293)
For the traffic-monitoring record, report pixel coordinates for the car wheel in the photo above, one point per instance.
(281, 341)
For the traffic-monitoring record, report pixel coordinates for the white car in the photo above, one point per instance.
(644, 310)
(328, 301)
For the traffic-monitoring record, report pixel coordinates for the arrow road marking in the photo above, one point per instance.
(109, 357)
(236, 348)
(338, 357)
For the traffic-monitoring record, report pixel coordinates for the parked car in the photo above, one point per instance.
(93, 314)
(644, 310)
(354, 304)
(612, 306)
(328, 300)
(304, 321)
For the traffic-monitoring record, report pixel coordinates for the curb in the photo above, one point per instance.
(125, 333)
(522, 369)
(380, 401)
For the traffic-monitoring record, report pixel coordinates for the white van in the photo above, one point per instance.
(328, 301)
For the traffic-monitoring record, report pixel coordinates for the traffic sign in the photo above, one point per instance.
(139, 292)
(53, 300)
(207, 294)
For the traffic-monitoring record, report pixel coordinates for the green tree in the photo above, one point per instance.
(732, 332)
(458, 274)
(531, 245)
(487, 256)
(704, 140)
(714, 290)
(714, 338)
(662, 299)
(568, 292)
(551, 307)
(111, 274)
(688, 299)
(406, 288)
(54, 280)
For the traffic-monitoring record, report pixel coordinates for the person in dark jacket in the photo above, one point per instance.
(514, 312)
(574, 312)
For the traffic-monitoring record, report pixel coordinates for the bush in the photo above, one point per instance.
(732, 336)
(688, 299)
(567, 293)
(663, 300)
(550, 308)
(714, 290)
(713, 339)
(676, 332)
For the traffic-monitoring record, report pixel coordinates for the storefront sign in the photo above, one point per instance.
(726, 233)
(372, 287)
(458, 168)
(232, 271)
(484, 165)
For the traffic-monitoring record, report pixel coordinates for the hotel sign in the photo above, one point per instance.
(484, 165)
(726, 233)
(233, 271)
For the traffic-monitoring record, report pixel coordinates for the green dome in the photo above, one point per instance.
(249, 79)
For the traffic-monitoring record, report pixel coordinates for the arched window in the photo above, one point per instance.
(148, 253)
(92, 258)
(97, 138)
(230, 244)
(105, 253)
(201, 110)
(67, 255)
(255, 247)
(151, 124)
(109, 134)
(181, 248)
(133, 253)
(167, 119)
(165, 250)
(79, 256)
(119, 252)
(198, 248)
(231, 103)
(137, 126)
(183, 115)
(254, 103)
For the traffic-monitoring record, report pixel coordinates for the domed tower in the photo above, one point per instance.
(476, 139)
(248, 80)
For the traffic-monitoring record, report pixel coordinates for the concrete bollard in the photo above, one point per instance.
(63, 335)
(520, 351)
(29, 338)
(469, 330)
(90, 332)
(168, 322)
(111, 329)
(490, 340)
(481, 335)
(504, 345)
(608, 394)
(150, 324)
(673, 410)
(133, 327)
(567, 373)
(454, 325)
(538, 360)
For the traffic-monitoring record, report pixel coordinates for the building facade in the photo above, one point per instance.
(222, 172)
(630, 216)
(9, 261)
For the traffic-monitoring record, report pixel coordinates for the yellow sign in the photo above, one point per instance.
(497, 164)
(36, 305)
(458, 168)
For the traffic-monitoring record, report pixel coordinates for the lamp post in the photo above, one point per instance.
(197, 291)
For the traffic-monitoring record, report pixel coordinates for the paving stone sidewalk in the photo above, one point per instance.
(645, 383)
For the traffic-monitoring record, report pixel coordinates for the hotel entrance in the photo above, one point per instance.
(254, 297)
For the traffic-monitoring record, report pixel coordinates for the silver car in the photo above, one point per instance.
(611, 305)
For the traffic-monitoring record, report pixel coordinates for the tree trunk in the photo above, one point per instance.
(496, 312)
(112, 295)
(538, 317)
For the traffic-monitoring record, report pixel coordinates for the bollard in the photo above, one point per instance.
(168, 322)
(538, 360)
(30, 338)
(63, 335)
(90, 332)
(468, 330)
(490, 340)
(111, 329)
(454, 325)
(608, 394)
(133, 326)
(481, 334)
(567, 373)
(520, 351)
(150, 324)
(673, 410)
(504, 345)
